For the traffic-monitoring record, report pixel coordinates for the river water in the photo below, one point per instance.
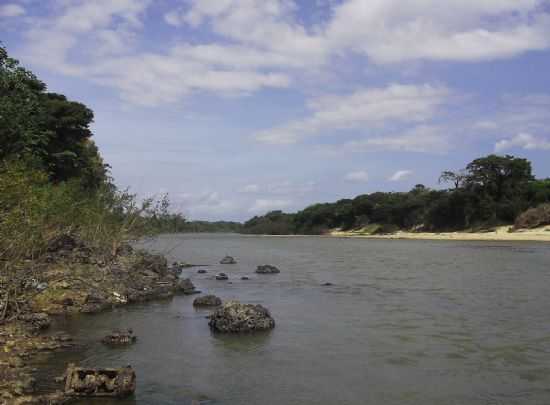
(405, 322)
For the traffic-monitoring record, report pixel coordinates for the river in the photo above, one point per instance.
(405, 322)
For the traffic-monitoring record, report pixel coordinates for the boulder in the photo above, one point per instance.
(228, 260)
(107, 382)
(207, 301)
(222, 276)
(37, 320)
(120, 338)
(186, 286)
(234, 317)
(267, 269)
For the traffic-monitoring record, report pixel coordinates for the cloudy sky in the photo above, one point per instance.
(238, 107)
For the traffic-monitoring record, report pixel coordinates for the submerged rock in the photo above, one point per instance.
(120, 338)
(222, 276)
(207, 301)
(107, 382)
(228, 260)
(235, 317)
(267, 269)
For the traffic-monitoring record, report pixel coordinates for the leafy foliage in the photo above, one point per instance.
(491, 190)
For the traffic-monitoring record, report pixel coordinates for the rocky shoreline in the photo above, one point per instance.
(72, 279)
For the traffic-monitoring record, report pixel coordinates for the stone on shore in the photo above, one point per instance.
(89, 382)
(267, 269)
(207, 301)
(234, 317)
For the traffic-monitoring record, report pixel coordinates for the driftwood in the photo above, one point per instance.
(105, 382)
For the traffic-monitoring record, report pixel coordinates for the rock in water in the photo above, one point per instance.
(267, 269)
(120, 338)
(186, 286)
(228, 260)
(235, 317)
(207, 301)
(107, 382)
(201, 271)
(222, 276)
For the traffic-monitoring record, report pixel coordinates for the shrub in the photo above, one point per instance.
(533, 217)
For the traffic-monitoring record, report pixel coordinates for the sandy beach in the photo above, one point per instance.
(500, 234)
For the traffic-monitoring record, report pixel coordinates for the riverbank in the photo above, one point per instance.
(502, 233)
(71, 279)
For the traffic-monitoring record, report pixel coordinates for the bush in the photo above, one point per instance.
(533, 217)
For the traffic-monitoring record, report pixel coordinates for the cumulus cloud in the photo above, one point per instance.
(374, 107)
(253, 44)
(262, 206)
(523, 141)
(400, 175)
(360, 176)
(11, 10)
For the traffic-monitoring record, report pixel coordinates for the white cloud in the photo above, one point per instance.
(359, 176)
(374, 107)
(523, 141)
(400, 175)
(390, 31)
(205, 204)
(261, 206)
(421, 139)
(250, 188)
(264, 44)
(11, 10)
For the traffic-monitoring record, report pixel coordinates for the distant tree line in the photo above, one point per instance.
(490, 191)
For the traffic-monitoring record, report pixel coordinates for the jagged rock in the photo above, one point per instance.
(267, 269)
(155, 263)
(120, 338)
(89, 382)
(222, 276)
(228, 260)
(64, 242)
(235, 317)
(37, 320)
(186, 286)
(207, 301)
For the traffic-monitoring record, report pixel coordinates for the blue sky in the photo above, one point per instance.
(238, 107)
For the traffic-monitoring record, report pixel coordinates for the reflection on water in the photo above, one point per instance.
(405, 322)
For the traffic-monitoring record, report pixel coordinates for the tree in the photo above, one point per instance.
(456, 178)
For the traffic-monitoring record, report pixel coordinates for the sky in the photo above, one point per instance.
(238, 107)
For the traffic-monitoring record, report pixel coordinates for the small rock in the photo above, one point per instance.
(228, 260)
(222, 276)
(245, 278)
(186, 286)
(120, 338)
(207, 301)
(326, 284)
(201, 271)
(267, 269)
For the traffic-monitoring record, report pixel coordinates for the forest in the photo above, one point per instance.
(490, 191)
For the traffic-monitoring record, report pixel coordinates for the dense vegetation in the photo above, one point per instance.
(53, 179)
(490, 191)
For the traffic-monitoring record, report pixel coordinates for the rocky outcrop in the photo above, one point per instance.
(267, 269)
(228, 260)
(234, 317)
(207, 301)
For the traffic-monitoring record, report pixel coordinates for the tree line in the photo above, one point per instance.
(490, 191)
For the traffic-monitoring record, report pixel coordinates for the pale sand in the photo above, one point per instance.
(500, 234)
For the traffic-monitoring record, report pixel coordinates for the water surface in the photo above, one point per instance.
(405, 322)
